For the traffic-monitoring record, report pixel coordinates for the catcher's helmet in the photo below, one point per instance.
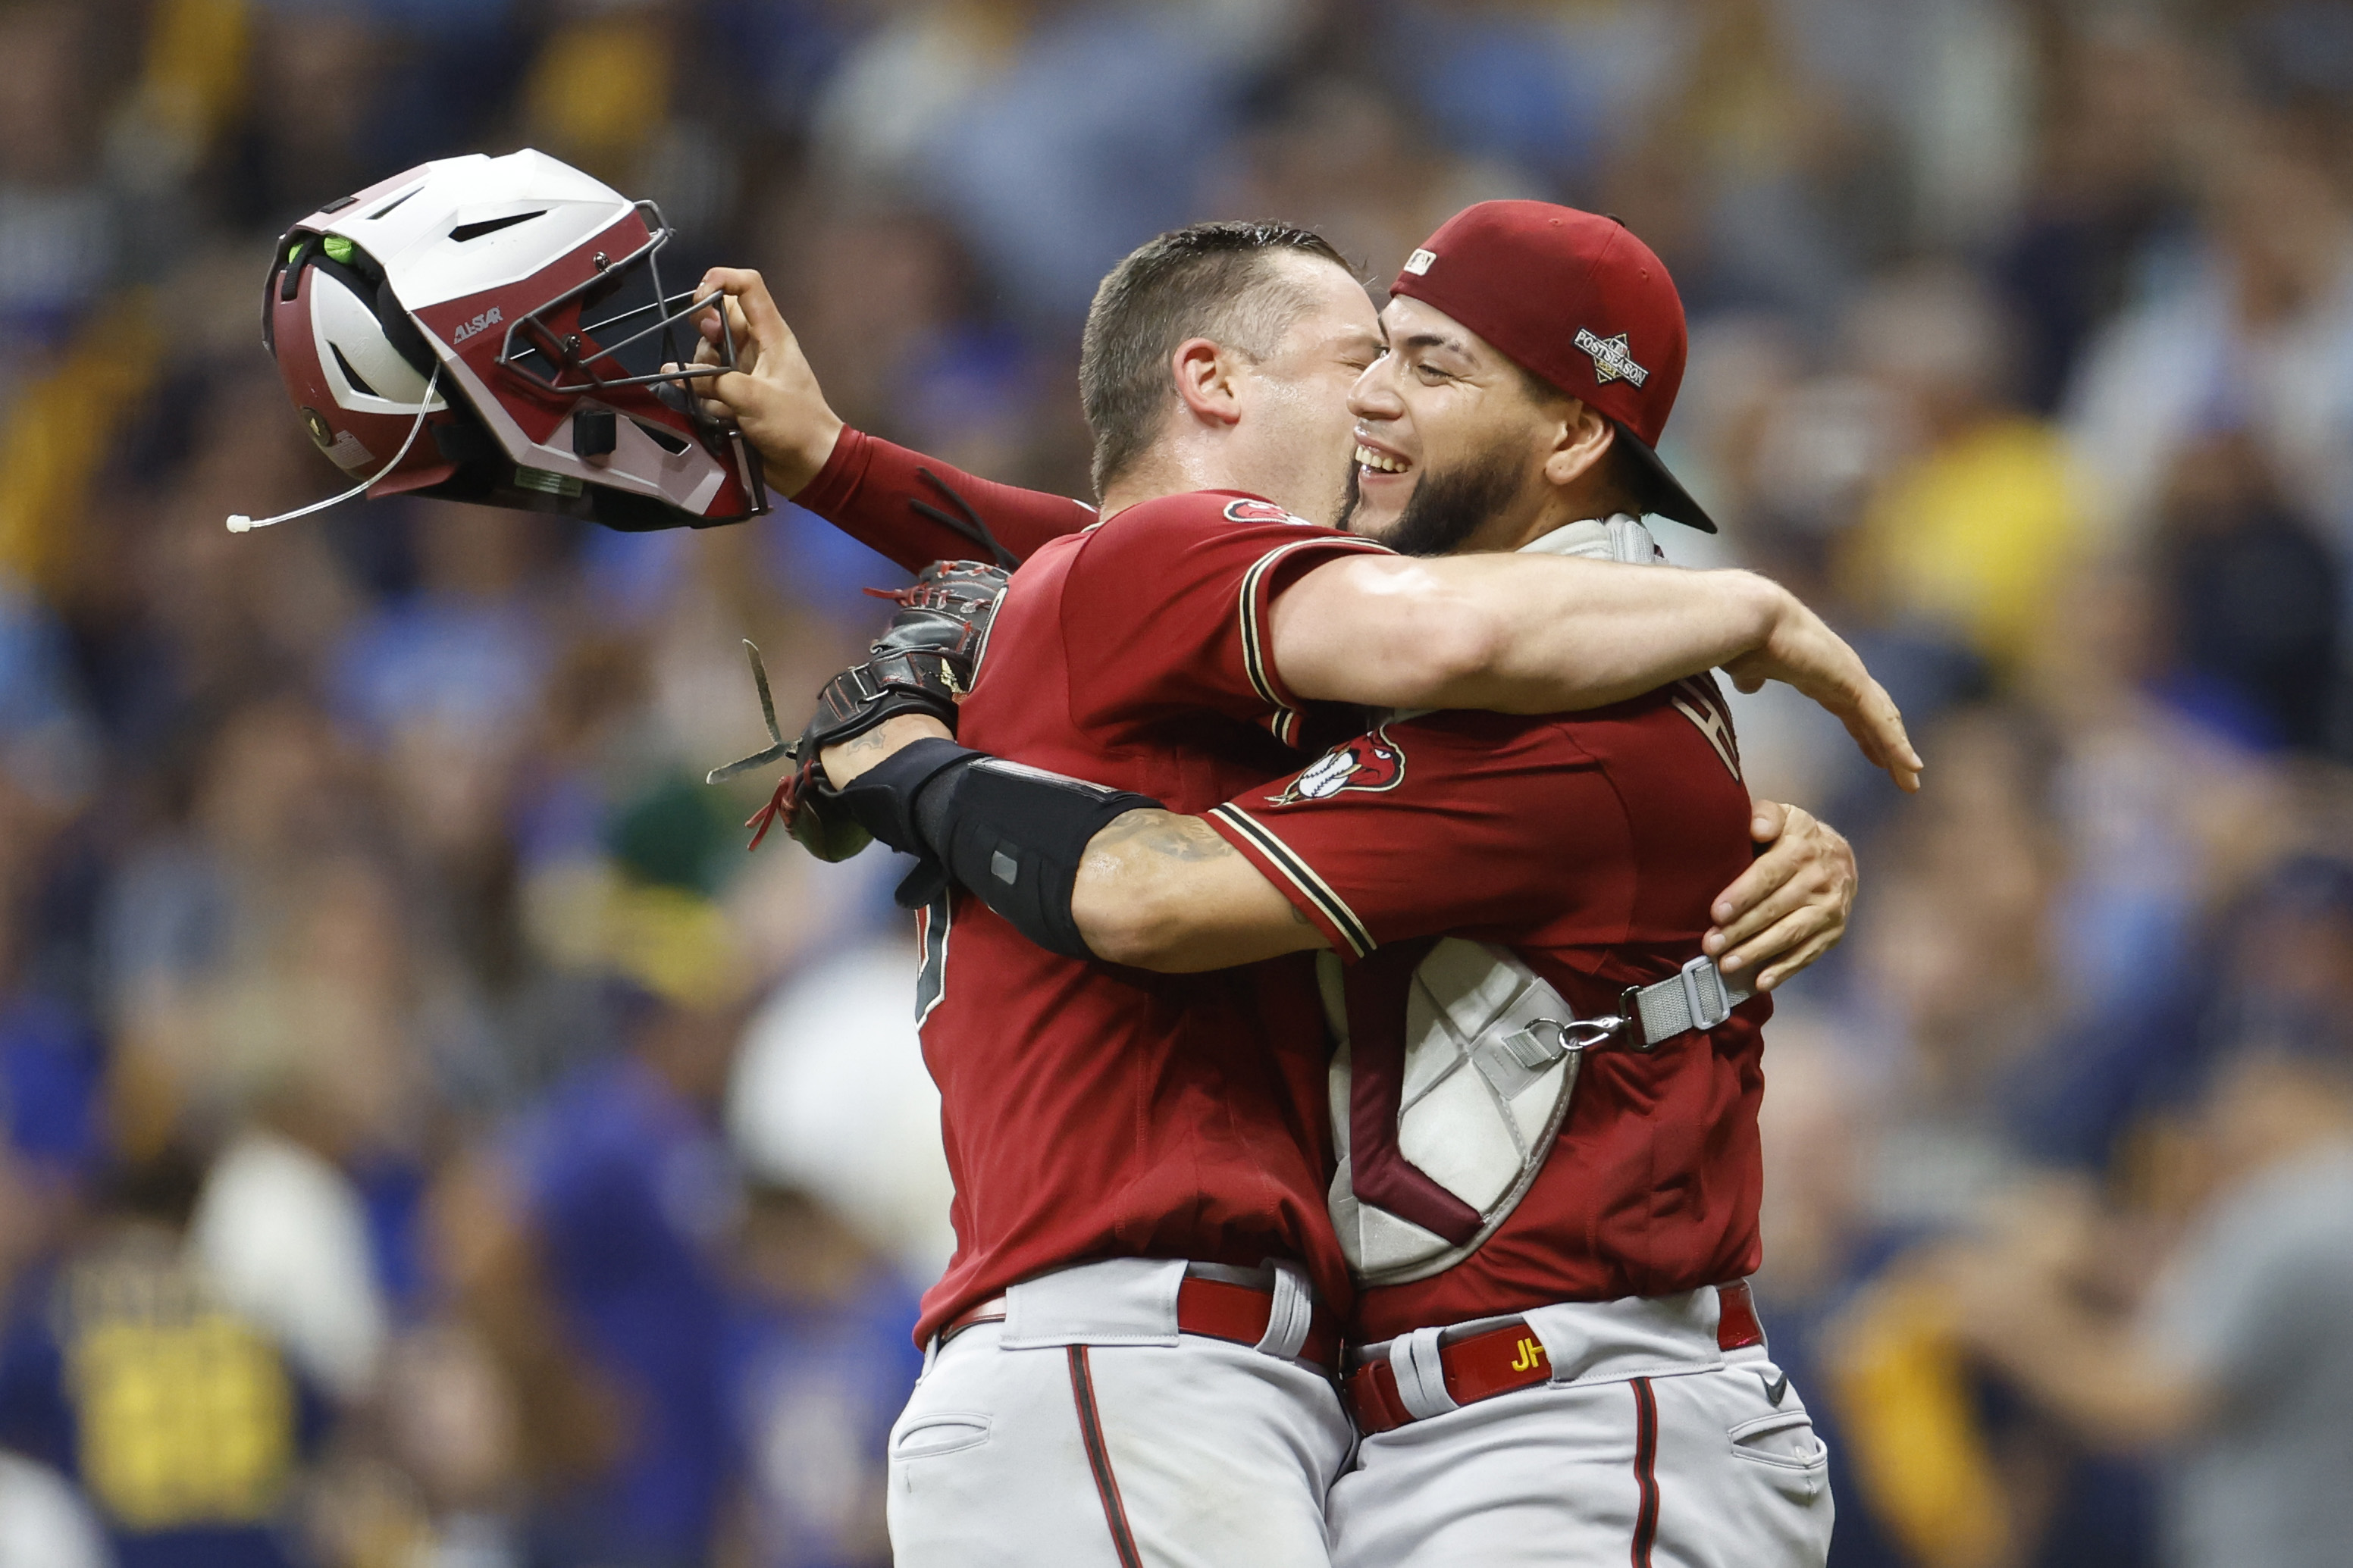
(512, 308)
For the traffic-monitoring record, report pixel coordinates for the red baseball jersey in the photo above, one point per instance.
(1091, 1111)
(1591, 846)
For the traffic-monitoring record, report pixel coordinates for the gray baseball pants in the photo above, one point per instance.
(1085, 1432)
(1650, 1446)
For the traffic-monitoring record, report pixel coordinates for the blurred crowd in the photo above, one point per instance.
(428, 1141)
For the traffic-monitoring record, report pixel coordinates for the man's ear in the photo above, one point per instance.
(1203, 370)
(1582, 439)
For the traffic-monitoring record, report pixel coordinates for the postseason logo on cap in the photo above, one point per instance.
(1611, 359)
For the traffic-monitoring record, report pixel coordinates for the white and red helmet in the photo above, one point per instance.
(517, 304)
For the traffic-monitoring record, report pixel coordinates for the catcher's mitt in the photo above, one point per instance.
(922, 663)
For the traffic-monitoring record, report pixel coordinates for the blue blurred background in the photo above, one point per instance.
(428, 1141)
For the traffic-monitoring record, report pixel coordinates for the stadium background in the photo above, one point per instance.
(429, 1140)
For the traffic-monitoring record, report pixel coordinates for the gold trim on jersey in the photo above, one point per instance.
(1284, 721)
(1302, 876)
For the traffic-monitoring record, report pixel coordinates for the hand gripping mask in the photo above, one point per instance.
(493, 330)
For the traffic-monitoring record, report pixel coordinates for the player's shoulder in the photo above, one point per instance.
(1219, 521)
(1670, 728)
(1473, 733)
(1193, 508)
(1437, 752)
(1670, 731)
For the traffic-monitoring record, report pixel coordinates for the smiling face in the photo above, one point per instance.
(1297, 431)
(1452, 442)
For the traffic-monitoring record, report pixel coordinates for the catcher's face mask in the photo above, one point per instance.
(493, 330)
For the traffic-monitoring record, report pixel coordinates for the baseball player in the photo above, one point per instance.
(1120, 1350)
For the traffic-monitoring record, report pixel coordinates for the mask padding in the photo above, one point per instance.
(366, 279)
(401, 331)
(292, 282)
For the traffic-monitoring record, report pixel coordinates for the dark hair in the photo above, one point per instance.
(1207, 280)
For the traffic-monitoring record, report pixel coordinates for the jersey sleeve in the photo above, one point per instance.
(1439, 825)
(1165, 610)
(916, 510)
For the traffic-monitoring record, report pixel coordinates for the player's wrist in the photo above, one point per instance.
(1013, 837)
(884, 798)
(1767, 611)
(794, 464)
(846, 760)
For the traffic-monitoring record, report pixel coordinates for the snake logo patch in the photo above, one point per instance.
(1371, 761)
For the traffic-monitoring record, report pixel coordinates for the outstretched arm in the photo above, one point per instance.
(1165, 892)
(1157, 889)
(1540, 634)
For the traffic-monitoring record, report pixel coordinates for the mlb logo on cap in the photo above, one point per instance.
(1575, 297)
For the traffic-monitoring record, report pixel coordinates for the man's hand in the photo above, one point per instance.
(772, 395)
(922, 663)
(1790, 906)
(1800, 651)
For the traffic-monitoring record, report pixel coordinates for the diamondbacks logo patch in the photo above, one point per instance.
(1612, 361)
(1259, 511)
(1371, 761)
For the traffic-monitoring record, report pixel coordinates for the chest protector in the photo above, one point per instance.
(1454, 1067)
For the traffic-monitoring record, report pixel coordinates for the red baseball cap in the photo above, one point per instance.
(1576, 299)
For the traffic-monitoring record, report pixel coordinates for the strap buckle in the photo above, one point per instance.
(1629, 1017)
(1529, 1048)
(1584, 1034)
(1709, 1002)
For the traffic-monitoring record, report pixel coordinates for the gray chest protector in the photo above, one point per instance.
(1447, 1094)
(1455, 1068)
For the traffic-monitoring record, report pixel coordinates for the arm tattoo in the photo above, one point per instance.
(1166, 834)
(858, 745)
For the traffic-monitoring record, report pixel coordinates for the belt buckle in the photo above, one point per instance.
(1718, 1007)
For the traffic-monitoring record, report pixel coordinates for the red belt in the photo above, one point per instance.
(1498, 1361)
(1212, 1309)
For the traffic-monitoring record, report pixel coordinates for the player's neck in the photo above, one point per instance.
(1172, 465)
(1179, 466)
(1564, 507)
(1518, 527)
(1135, 489)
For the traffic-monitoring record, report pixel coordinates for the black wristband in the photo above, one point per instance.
(881, 800)
(1013, 837)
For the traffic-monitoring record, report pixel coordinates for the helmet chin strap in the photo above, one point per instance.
(241, 523)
